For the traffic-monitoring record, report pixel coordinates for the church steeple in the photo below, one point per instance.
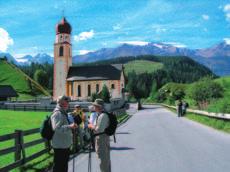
(62, 57)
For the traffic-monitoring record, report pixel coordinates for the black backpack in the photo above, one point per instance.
(46, 129)
(111, 129)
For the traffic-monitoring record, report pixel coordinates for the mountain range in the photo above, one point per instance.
(217, 57)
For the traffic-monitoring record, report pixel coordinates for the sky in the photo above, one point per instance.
(28, 26)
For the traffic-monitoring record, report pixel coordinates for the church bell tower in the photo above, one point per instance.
(62, 57)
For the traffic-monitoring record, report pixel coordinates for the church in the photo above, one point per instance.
(80, 82)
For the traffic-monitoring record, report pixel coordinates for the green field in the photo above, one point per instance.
(11, 120)
(142, 66)
(25, 86)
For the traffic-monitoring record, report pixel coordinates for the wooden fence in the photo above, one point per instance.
(33, 107)
(19, 148)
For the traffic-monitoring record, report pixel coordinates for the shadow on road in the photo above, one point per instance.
(121, 148)
(144, 107)
(123, 133)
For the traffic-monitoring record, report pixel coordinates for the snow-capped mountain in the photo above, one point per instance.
(217, 57)
(40, 58)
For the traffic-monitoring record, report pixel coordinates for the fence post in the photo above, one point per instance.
(14, 107)
(24, 108)
(17, 155)
(22, 146)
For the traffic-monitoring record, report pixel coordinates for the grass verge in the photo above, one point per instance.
(219, 124)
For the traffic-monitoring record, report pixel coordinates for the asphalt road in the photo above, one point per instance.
(155, 140)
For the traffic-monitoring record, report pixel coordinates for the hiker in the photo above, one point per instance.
(62, 138)
(102, 143)
(79, 118)
(184, 107)
(179, 108)
(92, 121)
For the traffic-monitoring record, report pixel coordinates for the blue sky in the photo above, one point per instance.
(28, 27)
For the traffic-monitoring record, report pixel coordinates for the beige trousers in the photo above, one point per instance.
(102, 147)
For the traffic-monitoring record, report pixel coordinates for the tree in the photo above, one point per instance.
(104, 94)
(94, 96)
(41, 77)
(153, 93)
(139, 86)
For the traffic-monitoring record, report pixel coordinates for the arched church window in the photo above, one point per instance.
(79, 91)
(72, 86)
(61, 51)
(97, 88)
(89, 90)
(112, 86)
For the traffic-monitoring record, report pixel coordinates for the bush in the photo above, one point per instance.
(204, 91)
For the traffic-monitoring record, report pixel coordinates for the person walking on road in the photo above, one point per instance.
(62, 138)
(102, 143)
(179, 108)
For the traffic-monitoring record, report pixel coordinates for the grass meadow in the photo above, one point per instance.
(11, 120)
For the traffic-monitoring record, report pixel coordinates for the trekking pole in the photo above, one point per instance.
(73, 163)
(90, 146)
(74, 133)
(89, 160)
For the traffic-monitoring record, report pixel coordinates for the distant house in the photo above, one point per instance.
(82, 81)
(7, 92)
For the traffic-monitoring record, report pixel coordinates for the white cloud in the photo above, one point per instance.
(5, 40)
(83, 52)
(141, 43)
(176, 44)
(205, 17)
(84, 36)
(117, 27)
(227, 40)
(227, 11)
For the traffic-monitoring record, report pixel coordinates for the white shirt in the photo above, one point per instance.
(93, 118)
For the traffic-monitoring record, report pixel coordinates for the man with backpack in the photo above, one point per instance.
(62, 137)
(102, 144)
